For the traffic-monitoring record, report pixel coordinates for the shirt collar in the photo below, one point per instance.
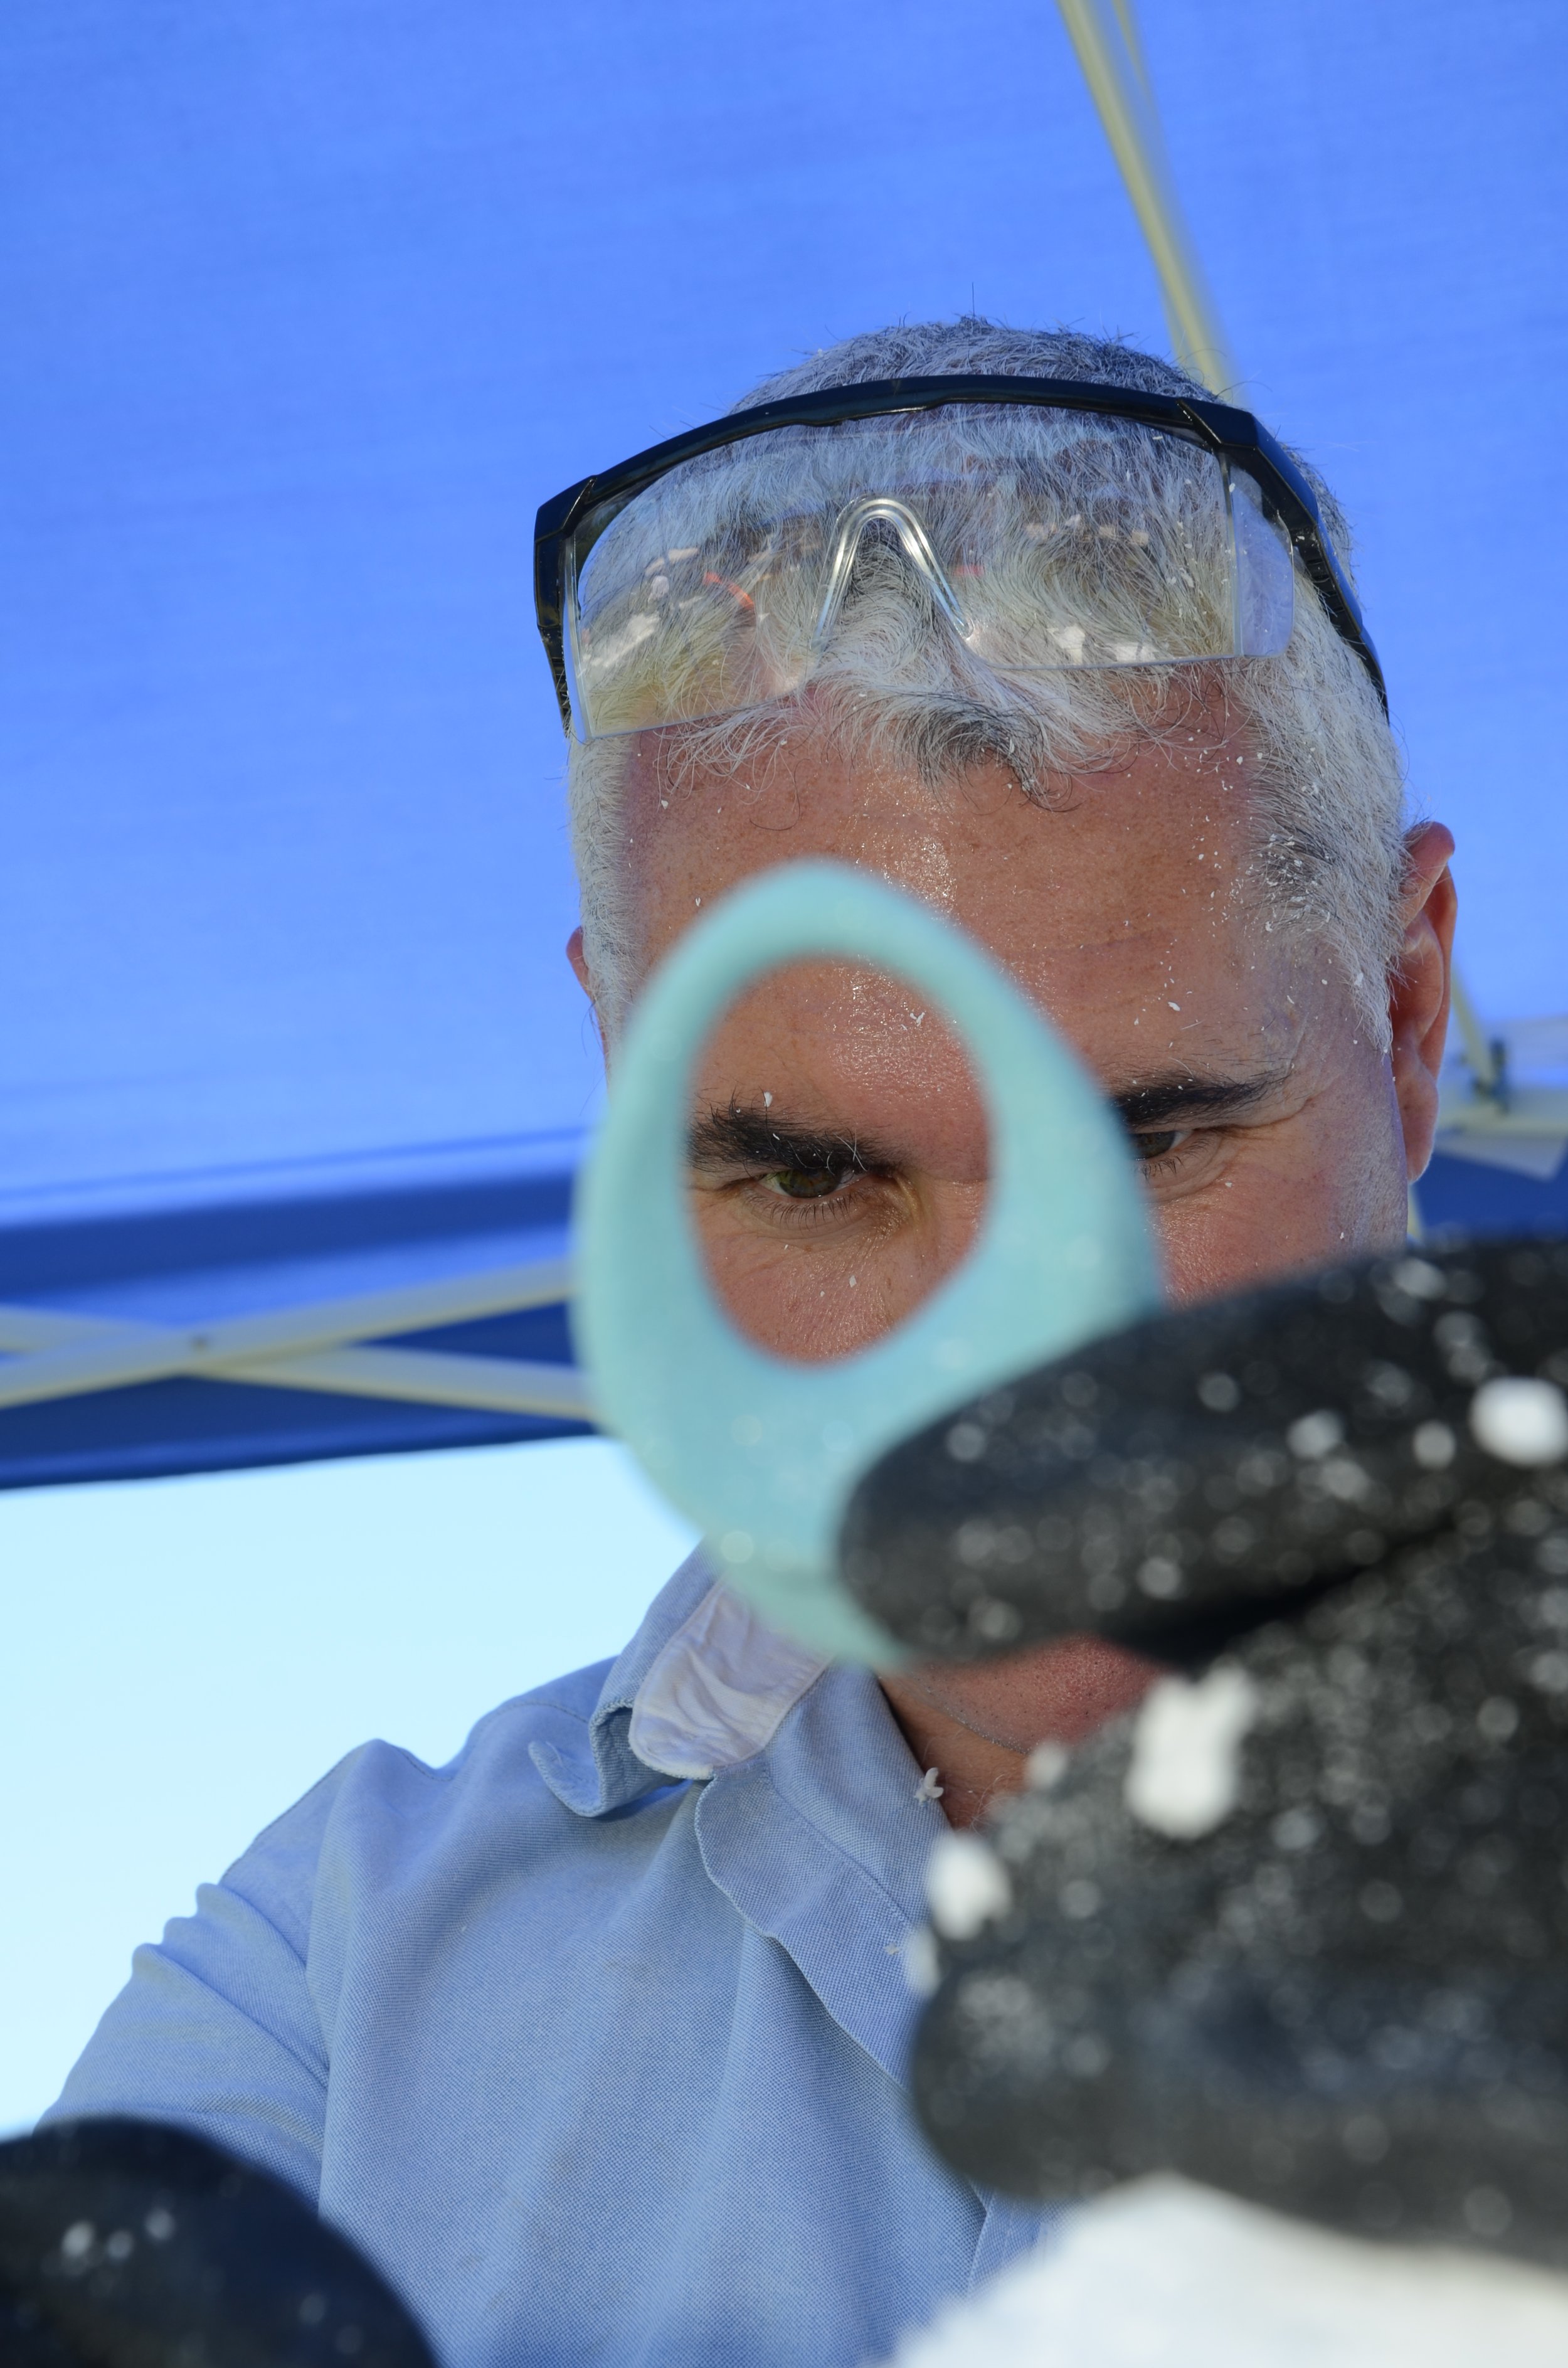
(703, 1686)
(818, 1830)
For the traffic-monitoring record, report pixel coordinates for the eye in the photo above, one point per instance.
(1160, 1143)
(806, 1183)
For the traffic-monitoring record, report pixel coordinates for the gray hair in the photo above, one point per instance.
(1326, 788)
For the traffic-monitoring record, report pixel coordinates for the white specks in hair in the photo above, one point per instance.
(768, 1101)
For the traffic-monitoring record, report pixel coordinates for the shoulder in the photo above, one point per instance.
(234, 2023)
(382, 1805)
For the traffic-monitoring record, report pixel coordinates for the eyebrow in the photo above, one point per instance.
(743, 1136)
(1167, 1100)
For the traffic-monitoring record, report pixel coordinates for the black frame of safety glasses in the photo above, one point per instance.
(1232, 435)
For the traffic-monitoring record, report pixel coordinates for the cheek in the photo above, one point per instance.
(1324, 1186)
(1246, 1230)
(811, 1300)
(806, 1303)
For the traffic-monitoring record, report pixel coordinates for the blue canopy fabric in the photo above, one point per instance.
(194, 1267)
(308, 307)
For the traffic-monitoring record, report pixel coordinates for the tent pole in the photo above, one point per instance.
(313, 1347)
(1111, 58)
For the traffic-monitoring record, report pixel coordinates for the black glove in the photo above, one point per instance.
(125, 2244)
(1178, 1482)
(1348, 1997)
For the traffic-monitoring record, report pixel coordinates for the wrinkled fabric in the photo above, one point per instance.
(594, 2066)
(716, 1694)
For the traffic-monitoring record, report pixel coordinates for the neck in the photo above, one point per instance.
(976, 1725)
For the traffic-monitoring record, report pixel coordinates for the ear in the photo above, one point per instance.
(584, 977)
(1419, 989)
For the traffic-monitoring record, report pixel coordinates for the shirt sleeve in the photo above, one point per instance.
(217, 2028)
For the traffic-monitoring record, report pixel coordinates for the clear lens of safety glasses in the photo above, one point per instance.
(1034, 539)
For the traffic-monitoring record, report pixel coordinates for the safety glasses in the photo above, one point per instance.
(1042, 524)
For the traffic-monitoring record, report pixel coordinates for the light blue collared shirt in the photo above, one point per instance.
(596, 2065)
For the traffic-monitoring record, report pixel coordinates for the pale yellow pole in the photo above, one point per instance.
(1106, 39)
(1104, 35)
(1125, 18)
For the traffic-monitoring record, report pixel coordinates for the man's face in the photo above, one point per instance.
(840, 1145)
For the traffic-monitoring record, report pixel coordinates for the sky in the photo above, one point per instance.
(183, 1658)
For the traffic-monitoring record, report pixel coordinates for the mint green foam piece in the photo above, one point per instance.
(763, 1454)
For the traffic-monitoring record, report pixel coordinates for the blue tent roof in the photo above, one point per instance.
(307, 308)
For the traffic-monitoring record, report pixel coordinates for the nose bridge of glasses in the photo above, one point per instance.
(882, 509)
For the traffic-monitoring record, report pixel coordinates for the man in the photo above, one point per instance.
(593, 2039)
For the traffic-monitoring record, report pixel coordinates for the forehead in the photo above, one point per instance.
(1149, 855)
